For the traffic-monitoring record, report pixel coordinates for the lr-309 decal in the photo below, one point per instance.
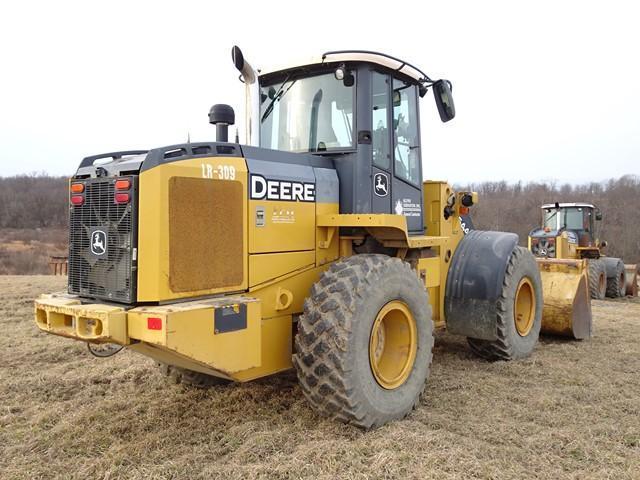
(220, 172)
(266, 189)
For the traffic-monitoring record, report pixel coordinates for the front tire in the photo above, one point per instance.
(519, 311)
(597, 279)
(364, 343)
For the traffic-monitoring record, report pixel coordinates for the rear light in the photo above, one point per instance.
(154, 323)
(77, 199)
(464, 210)
(121, 197)
(77, 187)
(123, 184)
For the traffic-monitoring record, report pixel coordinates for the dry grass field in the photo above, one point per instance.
(570, 411)
(27, 251)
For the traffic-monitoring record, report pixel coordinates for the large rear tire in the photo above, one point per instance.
(190, 377)
(364, 343)
(616, 278)
(519, 311)
(597, 279)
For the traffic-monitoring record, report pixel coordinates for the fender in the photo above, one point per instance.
(474, 283)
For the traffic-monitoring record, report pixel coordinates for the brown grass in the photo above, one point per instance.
(570, 411)
(27, 251)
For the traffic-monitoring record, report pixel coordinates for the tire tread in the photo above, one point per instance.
(323, 337)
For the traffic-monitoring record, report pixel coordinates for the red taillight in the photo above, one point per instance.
(77, 187)
(154, 323)
(464, 210)
(77, 199)
(123, 184)
(121, 197)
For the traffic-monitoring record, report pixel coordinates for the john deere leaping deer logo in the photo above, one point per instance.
(381, 184)
(98, 242)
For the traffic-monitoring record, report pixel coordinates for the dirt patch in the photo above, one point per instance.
(570, 411)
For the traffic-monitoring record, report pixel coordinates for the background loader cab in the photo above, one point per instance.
(568, 233)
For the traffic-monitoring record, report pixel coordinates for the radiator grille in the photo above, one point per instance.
(101, 243)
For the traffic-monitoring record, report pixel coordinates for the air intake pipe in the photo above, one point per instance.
(222, 116)
(252, 109)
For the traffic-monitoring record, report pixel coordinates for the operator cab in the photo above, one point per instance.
(360, 109)
(575, 218)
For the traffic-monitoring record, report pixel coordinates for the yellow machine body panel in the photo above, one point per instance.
(436, 196)
(285, 226)
(183, 205)
(269, 266)
(223, 335)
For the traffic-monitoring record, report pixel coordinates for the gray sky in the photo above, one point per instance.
(547, 91)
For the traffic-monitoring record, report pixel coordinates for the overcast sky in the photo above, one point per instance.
(546, 91)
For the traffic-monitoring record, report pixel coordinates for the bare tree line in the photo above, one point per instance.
(33, 201)
(41, 201)
(516, 208)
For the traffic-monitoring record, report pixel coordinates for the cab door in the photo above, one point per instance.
(381, 170)
(406, 185)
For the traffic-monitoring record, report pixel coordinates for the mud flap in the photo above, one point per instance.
(567, 303)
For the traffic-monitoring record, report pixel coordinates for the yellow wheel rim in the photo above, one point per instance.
(393, 345)
(524, 307)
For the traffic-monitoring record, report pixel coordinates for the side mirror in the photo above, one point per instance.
(598, 215)
(603, 244)
(444, 100)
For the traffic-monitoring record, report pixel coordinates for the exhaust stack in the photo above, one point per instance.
(252, 95)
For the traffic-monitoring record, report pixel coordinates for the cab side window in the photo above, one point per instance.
(379, 117)
(405, 132)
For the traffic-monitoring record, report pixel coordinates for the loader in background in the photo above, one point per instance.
(315, 246)
(571, 263)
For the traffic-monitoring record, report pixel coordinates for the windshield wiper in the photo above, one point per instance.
(278, 95)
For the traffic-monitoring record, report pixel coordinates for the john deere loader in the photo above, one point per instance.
(315, 246)
(572, 263)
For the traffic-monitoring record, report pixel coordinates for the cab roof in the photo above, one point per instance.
(568, 205)
(338, 56)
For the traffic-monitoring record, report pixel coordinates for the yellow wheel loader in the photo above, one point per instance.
(315, 246)
(571, 263)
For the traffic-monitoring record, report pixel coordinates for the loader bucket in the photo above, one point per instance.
(565, 294)
(631, 283)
